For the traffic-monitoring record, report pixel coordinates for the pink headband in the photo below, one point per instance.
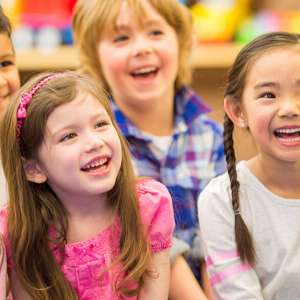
(26, 99)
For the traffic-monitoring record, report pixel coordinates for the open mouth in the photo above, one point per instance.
(96, 165)
(288, 134)
(146, 72)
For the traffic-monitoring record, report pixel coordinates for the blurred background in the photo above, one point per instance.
(46, 24)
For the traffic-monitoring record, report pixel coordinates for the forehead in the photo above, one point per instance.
(140, 12)
(276, 63)
(82, 106)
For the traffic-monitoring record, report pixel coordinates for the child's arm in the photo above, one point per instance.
(229, 276)
(157, 215)
(157, 284)
(17, 290)
(3, 271)
(183, 282)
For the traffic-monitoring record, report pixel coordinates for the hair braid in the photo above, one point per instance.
(242, 235)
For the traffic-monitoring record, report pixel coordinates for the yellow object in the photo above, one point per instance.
(12, 9)
(217, 21)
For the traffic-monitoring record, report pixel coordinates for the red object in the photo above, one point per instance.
(37, 13)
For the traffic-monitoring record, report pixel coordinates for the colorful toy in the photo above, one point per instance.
(267, 21)
(217, 20)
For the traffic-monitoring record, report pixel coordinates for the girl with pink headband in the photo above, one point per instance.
(78, 224)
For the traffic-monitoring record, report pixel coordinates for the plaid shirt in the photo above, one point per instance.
(195, 155)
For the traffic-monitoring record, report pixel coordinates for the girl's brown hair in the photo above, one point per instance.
(236, 80)
(93, 17)
(34, 208)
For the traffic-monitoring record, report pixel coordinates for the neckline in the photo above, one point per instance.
(92, 240)
(242, 166)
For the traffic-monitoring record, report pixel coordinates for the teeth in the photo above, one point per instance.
(144, 70)
(288, 130)
(291, 140)
(97, 163)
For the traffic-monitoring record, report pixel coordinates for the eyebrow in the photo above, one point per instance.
(7, 55)
(74, 125)
(271, 84)
(266, 84)
(150, 22)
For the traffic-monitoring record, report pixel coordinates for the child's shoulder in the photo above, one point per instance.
(152, 193)
(155, 205)
(217, 193)
(195, 111)
(145, 185)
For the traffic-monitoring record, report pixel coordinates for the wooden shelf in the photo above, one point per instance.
(212, 56)
(40, 60)
(204, 56)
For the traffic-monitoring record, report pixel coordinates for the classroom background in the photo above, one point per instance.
(43, 40)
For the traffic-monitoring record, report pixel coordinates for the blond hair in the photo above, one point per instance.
(34, 208)
(91, 18)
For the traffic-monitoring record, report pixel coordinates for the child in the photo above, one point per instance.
(9, 79)
(250, 217)
(79, 225)
(140, 51)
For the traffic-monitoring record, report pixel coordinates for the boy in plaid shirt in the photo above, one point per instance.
(139, 50)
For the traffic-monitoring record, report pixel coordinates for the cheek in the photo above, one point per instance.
(111, 61)
(116, 144)
(170, 56)
(260, 123)
(14, 81)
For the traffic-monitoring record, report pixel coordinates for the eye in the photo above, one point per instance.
(268, 95)
(68, 136)
(6, 63)
(120, 38)
(101, 124)
(156, 32)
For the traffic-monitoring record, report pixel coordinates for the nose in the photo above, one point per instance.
(93, 142)
(141, 45)
(289, 108)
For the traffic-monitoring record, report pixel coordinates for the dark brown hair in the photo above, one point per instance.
(34, 208)
(234, 90)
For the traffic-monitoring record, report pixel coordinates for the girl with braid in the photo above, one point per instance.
(250, 216)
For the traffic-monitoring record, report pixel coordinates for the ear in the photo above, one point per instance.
(235, 112)
(33, 171)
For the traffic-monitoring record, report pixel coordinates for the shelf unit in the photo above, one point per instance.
(203, 56)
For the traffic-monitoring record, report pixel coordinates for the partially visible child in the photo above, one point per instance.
(9, 79)
(3, 270)
(250, 216)
(140, 50)
(78, 223)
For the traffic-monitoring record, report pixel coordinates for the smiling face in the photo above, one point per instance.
(271, 103)
(139, 60)
(9, 76)
(80, 156)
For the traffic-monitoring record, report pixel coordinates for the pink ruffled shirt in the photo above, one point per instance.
(85, 261)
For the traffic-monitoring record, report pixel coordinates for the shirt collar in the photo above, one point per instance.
(188, 106)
